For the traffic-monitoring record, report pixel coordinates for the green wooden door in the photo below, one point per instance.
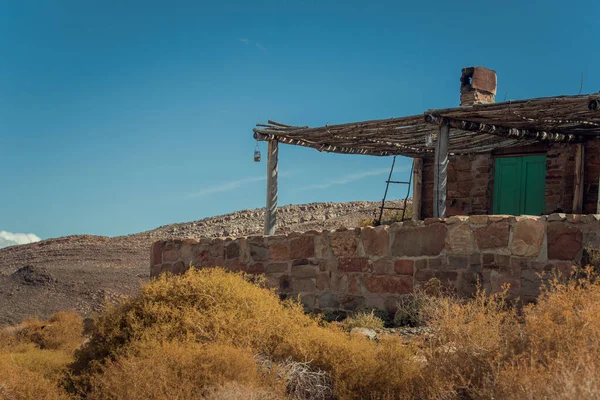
(520, 185)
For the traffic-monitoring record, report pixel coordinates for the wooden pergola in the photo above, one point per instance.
(438, 133)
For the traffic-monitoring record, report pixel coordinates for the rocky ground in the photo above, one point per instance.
(83, 272)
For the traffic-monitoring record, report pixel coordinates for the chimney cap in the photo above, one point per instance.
(478, 78)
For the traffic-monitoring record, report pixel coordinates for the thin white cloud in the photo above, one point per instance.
(343, 180)
(232, 185)
(258, 45)
(12, 239)
(226, 186)
(261, 47)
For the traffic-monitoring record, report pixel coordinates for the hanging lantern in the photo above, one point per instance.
(256, 154)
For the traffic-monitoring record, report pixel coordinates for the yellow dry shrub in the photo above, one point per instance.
(17, 383)
(34, 356)
(484, 348)
(215, 306)
(236, 391)
(363, 320)
(561, 359)
(177, 370)
(469, 339)
(63, 330)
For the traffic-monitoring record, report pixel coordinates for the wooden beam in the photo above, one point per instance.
(598, 201)
(501, 131)
(417, 188)
(578, 180)
(440, 178)
(271, 209)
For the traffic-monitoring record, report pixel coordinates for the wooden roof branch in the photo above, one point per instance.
(500, 130)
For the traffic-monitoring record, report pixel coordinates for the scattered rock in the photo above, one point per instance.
(366, 332)
(34, 276)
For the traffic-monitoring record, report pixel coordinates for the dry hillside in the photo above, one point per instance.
(82, 272)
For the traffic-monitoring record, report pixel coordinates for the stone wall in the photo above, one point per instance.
(471, 180)
(347, 269)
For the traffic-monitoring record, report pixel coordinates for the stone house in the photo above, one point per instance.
(525, 157)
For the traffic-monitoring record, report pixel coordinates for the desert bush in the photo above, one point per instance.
(28, 368)
(236, 391)
(18, 383)
(215, 306)
(363, 319)
(179, 370)
(562, 336)
(301, 380)
(63, 330)
(409, 308)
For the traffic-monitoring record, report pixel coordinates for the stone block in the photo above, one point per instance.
(274, 268)
(255, 268)
(531, 282)
(494, 235)
(436, 263)
(528, 237)
(383, 266)
(170, 255)
(279, 250)
(564, 241)
(259, 252)
(352, 303)
(323, 281)
(404, 267)
(355, 264)
(338, 282)
(329, 300)
(308, 300)
(468, 281)
(388, 284)
(428, 240)
(355, 284)
(304, 285)
(216, 248)
(179, 268)
(285, 283)
(304, 271)
(201, 258)
(186, 252)
(322, 247)
(377, 302)
(563, 268)
(155, 270)
(302, 247)
(375, 241)
(344, 243)
(460, 240)
(458, 262)
(157, 249)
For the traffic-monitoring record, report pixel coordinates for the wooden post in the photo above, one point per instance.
(598, 201)
(271, 210)
(579, 173)
(417, 188)
(440, 173)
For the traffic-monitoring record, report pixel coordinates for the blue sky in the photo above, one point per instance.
(120, 116)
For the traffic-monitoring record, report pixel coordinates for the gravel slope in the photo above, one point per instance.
(83, 272)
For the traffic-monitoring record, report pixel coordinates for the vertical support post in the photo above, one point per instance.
(578, 178)
(417, 188)
(271, 209)
(440, 172)
(598, 202)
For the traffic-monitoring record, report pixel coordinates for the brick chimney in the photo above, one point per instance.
(477, 86)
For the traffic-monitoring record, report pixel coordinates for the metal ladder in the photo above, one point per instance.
(387, 186)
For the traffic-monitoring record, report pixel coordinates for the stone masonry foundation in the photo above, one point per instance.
(350, 268)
